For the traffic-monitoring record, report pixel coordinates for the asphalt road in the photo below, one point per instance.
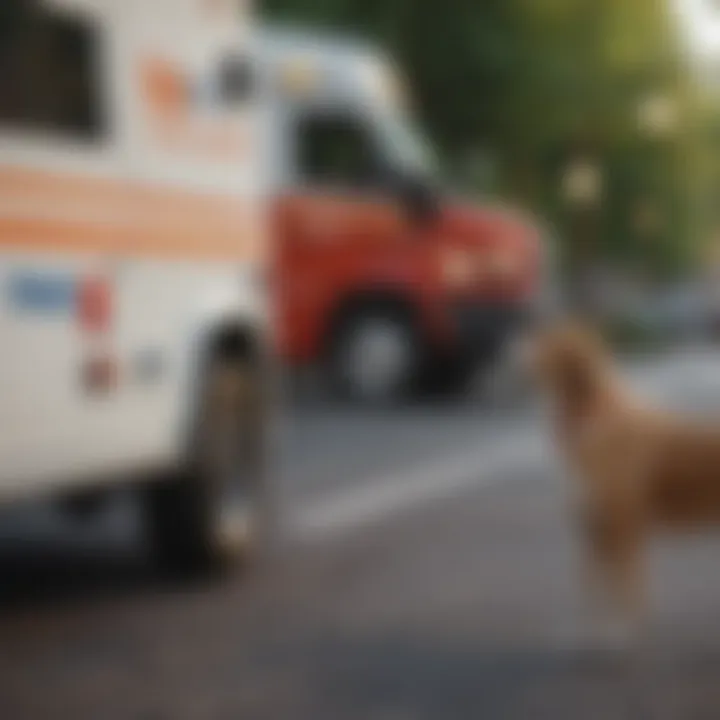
(425, 569)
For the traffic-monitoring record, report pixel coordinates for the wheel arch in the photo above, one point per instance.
(231, 336)
(380, 299)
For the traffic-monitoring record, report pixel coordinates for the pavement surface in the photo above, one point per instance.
(426, 568)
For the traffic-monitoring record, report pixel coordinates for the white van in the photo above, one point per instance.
(132, 312)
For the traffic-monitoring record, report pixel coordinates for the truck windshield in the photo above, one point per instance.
(405, 146)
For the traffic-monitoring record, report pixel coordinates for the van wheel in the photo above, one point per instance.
(375, 356)
(211, 514)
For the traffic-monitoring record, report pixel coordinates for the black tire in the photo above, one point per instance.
(211, 515)
(342, 364)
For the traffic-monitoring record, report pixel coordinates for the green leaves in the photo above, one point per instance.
(533, 81)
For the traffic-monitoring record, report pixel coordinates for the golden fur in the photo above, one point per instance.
(638, 469)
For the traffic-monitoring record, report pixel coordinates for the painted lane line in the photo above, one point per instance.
(382, 497)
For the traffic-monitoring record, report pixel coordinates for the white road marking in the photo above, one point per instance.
(384, 496)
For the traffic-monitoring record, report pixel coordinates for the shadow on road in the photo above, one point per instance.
(48, 559)
(44, 576)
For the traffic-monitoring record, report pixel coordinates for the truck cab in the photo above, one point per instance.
(383, 278)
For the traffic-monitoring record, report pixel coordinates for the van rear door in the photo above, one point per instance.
(56, 153)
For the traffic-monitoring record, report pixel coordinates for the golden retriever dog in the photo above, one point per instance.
(637, 469)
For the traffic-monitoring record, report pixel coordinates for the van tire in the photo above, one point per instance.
(350, 347)
(194, 522)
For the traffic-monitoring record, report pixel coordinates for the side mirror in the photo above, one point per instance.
(418, 197)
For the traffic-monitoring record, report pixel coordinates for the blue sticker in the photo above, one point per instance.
(40, 292)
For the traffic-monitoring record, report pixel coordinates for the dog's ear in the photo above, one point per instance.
(577, 378)
(580, 369)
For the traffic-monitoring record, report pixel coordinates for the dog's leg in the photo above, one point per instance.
(615, 578)
(625, 573)
(625, 577)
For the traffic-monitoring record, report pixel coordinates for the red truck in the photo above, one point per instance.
(382, 279)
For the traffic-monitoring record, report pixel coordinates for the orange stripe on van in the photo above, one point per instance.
(72, 213)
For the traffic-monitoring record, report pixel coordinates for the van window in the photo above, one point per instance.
(48, 71)
(336, 151)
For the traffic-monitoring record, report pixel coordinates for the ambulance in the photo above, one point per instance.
(132, 249)
(385, 280)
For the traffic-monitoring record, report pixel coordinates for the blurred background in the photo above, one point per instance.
(265, 447)
(600, 118)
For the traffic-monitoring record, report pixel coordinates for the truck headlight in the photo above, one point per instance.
(457, 268)
(503, 263)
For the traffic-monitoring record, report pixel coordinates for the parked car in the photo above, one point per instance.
(682, 313)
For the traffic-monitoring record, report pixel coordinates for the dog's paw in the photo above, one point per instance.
(615, 636)
(610, 637)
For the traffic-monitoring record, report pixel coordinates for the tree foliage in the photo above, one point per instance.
(534, 83)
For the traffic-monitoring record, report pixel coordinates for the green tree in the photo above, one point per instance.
(537, 82)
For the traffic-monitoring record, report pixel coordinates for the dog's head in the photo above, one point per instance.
(570, 361)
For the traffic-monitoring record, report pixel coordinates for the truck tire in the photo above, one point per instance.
(375, 356)
(211, 515)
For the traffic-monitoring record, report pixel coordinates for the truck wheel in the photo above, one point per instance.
(210, 515)
(375, 356)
